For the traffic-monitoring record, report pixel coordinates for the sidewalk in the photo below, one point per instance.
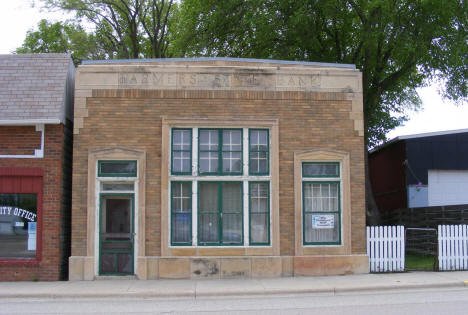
(235, 287)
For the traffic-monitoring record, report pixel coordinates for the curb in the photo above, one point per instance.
(211, 293)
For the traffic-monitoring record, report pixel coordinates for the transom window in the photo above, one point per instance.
(107, 168)
(222, 196)
(321, 205)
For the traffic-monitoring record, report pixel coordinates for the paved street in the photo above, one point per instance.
(451, 301)
(387, 293)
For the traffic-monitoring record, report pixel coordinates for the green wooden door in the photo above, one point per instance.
(116, 234)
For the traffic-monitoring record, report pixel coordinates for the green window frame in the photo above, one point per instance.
(220, 152)
(219, 213)
(257, 151)
(258, 212)
(321, 203)
(181, 153)
(131, 163)
(180, 216)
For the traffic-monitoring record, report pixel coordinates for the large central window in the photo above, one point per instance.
(220, 187)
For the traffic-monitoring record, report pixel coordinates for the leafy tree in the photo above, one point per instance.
(398, 45)
(127, 28)
(61, 37)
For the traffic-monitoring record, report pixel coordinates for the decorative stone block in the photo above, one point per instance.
(204, 268)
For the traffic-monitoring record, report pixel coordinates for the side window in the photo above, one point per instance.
(321, 203)
(259, 213)
(181, 213)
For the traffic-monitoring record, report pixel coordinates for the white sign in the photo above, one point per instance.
(323, 221)
(32, 236)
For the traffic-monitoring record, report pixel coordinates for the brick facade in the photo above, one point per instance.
(55, 237)
(111, 115)
(132, 119)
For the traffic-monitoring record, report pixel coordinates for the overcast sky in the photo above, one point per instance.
(17, 17)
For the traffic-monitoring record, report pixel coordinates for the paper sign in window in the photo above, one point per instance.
(323, 221)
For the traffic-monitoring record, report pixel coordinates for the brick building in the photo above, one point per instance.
(217, 168)
(36, 112)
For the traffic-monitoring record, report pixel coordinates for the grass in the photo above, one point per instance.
(419, 262)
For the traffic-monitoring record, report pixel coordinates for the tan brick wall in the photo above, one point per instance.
(132, 119)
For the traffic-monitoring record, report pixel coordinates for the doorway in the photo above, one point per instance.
(116, 234)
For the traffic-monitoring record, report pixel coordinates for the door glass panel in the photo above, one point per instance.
(107, 263)
(124, 262)
(116, 219)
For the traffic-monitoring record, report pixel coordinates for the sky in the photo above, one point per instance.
(17, 17)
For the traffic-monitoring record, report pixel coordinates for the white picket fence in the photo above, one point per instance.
(386, 248)
(453, 247)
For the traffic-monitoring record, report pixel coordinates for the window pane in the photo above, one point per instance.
(320, 169)
(258, 152)
(208, 223)
(259, 213)
(321, 228)
(181, 219)
(259, 197)
(232, 162)
(208, 140)
(208, 162)
(232, 140)
(258, 140)
(181, 162)
(181, 140)
(208, 197)
(258, 162)
(18, 217)
(208, 228)
(232, 228)
(116, 168)
(181, 228)
(232, 198)
(181, 197)
(259, 228)
(321, 197)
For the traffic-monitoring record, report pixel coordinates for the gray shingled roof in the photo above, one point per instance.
(34, 86)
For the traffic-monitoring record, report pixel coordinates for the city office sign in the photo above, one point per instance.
(6, 210)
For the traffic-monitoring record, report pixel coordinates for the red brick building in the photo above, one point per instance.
(36, 114)
(217, 168)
